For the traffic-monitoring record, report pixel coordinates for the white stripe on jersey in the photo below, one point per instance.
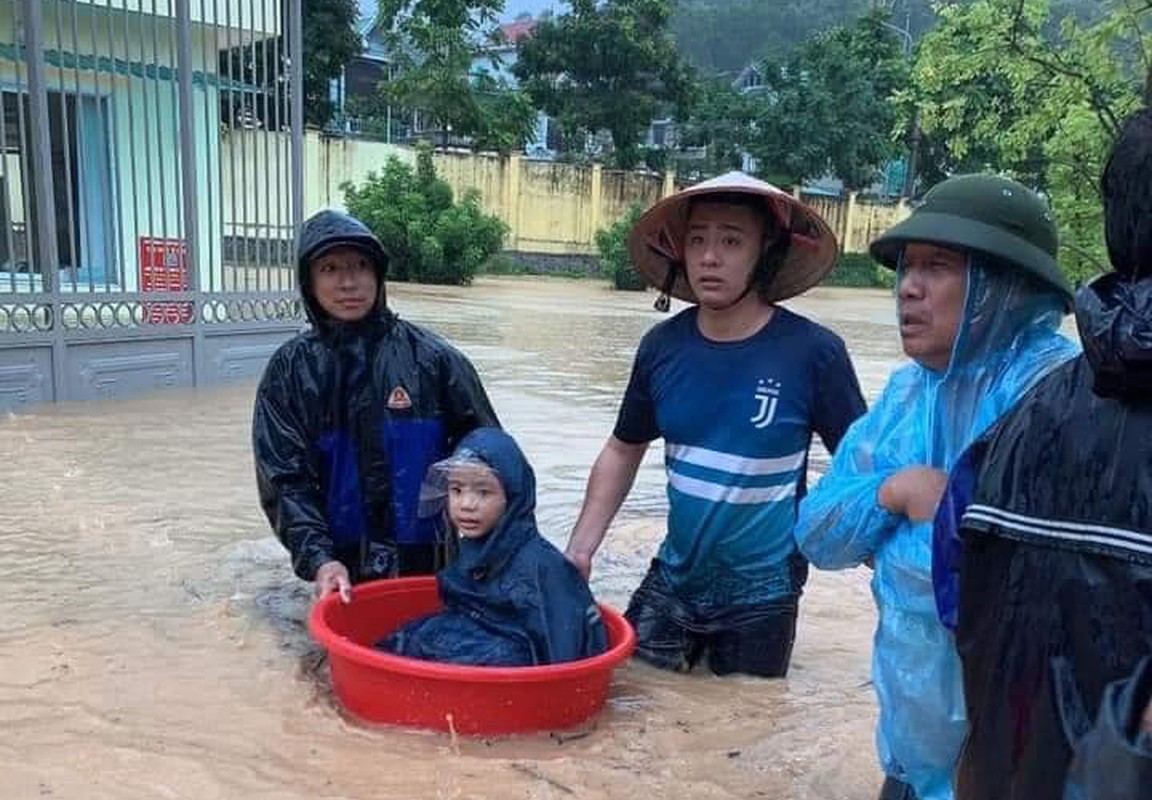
(738, 465)
(729, 494)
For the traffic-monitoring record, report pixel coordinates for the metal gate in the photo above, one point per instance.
(150, 188)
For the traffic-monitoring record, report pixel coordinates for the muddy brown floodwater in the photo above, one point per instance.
(151, 640)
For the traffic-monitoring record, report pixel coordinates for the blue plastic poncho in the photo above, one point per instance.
(1007, 341)
(511, 599)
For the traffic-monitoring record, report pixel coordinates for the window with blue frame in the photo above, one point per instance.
(81, 187)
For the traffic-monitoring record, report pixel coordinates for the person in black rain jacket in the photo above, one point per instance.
(511, 599)
(350, 414)
(1043, 544)
(1113, 760)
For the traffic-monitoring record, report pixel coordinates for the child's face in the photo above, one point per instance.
(476, 500)
(344, 284)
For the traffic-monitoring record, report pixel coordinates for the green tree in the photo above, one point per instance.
(719, 123)
(608, 67)
(330, 42)
(506, 116)
(430, 238)
(830, 106)
(612, 245)
(1039, 98)
(726, 35)
(436, 44)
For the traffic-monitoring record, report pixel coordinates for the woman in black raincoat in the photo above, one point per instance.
(350, 414)
(1043, 551)
(511, 599)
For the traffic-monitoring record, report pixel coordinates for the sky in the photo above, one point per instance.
(512, 8)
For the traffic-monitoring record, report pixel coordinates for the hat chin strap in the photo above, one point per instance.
(747, 290)
(664, 301)
(767, 263)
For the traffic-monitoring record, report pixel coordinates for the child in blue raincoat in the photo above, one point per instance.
(510, 598)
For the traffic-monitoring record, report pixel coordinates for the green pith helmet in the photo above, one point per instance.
(987, 214)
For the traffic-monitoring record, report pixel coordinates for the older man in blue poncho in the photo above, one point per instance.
(980, 299)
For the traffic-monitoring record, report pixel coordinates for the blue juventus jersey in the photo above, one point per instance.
(737, 419)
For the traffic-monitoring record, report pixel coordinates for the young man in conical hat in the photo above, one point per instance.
(735, 385)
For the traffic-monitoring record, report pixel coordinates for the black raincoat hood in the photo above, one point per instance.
(324, 231)
(1114, 316)
(349, 416)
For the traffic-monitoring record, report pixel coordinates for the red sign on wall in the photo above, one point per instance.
(164, 268)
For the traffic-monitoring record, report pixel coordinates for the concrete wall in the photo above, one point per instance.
(550, 207)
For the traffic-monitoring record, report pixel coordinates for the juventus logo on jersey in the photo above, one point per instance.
(767, 395)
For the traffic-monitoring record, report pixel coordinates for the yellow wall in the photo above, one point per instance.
(620, 190)
(869, 221)
(328, 163)
(857, 223)
(549, 207)
(486, 174)
(554, 213)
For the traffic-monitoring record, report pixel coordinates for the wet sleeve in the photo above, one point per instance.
(467, 402)
(1114, 758)
(636, 420)
(287, 477)
(947, 542)
(841, 522)
(839, 401)
(569, 617)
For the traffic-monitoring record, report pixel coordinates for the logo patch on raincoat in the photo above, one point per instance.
(398, 399)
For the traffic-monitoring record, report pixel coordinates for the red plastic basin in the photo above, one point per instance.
(385, 688)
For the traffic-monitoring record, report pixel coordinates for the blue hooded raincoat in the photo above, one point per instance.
(511, 598)
(1008, 340)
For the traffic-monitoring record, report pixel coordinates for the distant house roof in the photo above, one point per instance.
(507, 35)
(367, 12)
(748, 79)
(513, 32)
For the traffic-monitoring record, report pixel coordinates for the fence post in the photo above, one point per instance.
(669, 187)
(296, 112)
(44, 231)
(595, 206)
(847, 245)
(189, 175)
(512, 187)
(41, 146)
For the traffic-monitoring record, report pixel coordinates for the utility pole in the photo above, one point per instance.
(914, 134)
(914, 139)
